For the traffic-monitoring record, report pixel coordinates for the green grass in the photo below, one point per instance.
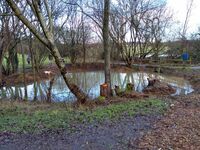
(30, 117)
(46, 61)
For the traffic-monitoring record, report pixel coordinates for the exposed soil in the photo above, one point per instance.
(195, 81)
(17, 78)
(179, 128)
(159, 88)
(120, 134)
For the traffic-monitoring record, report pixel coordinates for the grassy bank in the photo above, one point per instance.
(30, 117)
(45, 62)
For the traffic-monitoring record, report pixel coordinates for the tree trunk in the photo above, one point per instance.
(24, 73)
(47, 40)
(33, 67)
(1, 70)
(1, 57)
(84, 39)
(84, 52)
(50, 90)
(80, 95)
(106, 44)
(104, 90)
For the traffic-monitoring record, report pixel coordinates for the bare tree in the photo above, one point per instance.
(24, 72)
(187, 17)
(183, 34)
(100, 14)
(43, 14)
(137, 28)
(106, 38)
(10, 32)
(195, 46)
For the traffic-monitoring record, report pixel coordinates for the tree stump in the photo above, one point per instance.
(104, 90)
(130, 87)
(118, 91)
(49, 92)
(152, 82)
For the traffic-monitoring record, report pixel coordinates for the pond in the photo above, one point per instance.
(90, 82)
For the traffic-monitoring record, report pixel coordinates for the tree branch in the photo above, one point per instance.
(27, 23)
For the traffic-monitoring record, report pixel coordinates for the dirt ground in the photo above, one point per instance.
(178, 129)
(120, 134)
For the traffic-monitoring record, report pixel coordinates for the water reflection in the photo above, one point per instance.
(90, 83)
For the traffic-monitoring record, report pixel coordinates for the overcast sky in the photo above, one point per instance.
(179, 8)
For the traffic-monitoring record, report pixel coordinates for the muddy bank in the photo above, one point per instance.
(195, 81)
(156, 87)
(192, 75)
(96, 67)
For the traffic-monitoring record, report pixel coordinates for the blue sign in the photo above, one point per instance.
(185, 56)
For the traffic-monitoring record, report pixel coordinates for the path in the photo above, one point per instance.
(155, 66)
(171, 67)
(179, 129)
(121, 134)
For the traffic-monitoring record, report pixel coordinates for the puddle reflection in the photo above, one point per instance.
(90, 83)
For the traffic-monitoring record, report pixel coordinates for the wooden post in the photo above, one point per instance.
(104, 90)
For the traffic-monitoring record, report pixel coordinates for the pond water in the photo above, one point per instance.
(90, 83)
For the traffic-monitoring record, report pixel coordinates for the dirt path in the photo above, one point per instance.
(119, 134)
(179, 129)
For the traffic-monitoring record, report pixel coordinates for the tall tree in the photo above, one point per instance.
(187, 17)
(106, 44)
(185, 26)
(41, 9)
(24, 72)
(138, 27)
(10, 31)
